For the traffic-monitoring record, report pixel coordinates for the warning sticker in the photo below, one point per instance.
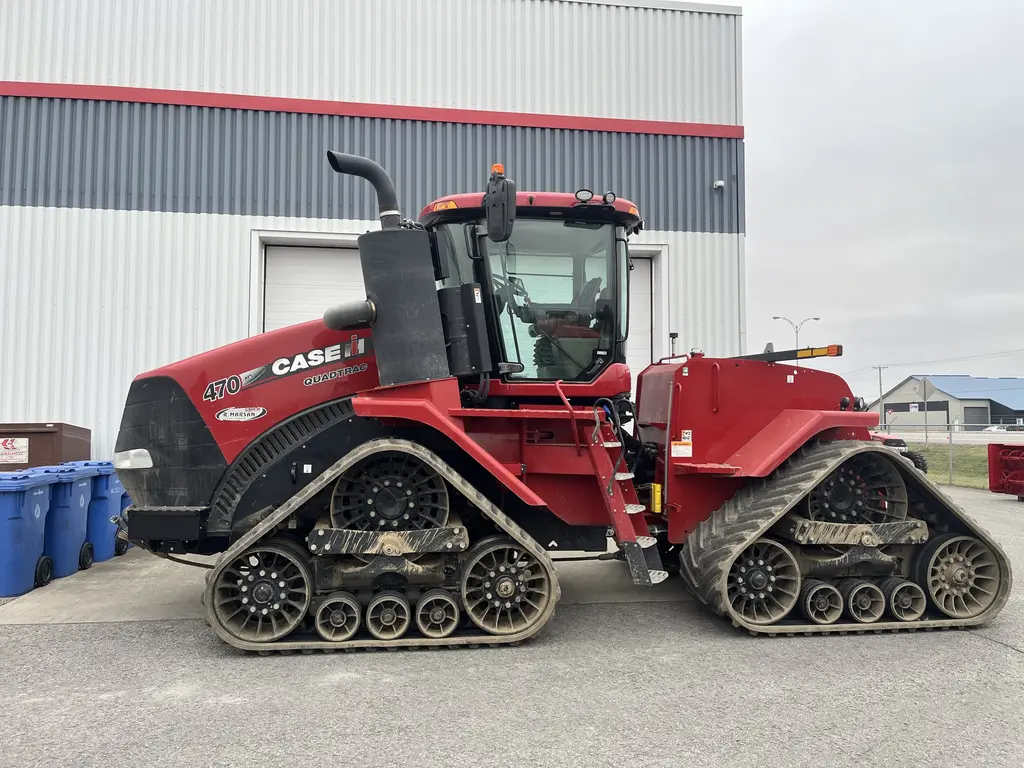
(683, 448)
(13, 450)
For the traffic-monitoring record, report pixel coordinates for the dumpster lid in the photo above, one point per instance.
(95, 467)
(22, 481)
(65, 473)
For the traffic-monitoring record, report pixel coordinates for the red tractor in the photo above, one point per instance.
(395, 474)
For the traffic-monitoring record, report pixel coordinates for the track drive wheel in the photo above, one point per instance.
(764, 582)
(264, 593)
(960, 574)
(505, 588)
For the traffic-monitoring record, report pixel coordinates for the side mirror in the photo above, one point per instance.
(500, 205)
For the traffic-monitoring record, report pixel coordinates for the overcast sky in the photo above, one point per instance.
(885, 168)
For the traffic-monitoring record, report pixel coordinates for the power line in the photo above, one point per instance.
(1007, 353)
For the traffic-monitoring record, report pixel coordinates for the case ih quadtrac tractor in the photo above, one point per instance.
(395, 474)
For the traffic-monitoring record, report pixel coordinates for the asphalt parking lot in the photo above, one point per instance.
(114, 665)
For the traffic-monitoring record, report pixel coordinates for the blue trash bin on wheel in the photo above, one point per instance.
(24, 506)
(67, 521)
(107, 492)
(123, 545)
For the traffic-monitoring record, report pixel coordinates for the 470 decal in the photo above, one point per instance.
(221, 388)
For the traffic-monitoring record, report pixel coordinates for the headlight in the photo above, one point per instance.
(136, 458)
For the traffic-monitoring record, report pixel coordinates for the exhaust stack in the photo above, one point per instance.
(387, 199)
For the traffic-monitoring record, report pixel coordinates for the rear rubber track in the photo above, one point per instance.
(264, 529)
(709, 551)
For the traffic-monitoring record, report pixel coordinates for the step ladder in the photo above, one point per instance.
(625, 511)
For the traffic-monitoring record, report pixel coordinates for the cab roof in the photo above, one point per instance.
(470, 205)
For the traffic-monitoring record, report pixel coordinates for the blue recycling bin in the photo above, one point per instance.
(104, 504)
(24, 506)
(67, 521)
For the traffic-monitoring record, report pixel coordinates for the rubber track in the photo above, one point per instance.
(410, 641)
(711, 549)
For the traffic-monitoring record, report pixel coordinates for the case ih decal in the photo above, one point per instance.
(286, 366)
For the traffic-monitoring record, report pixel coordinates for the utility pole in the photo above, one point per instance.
(796, 326)
(924, 386)
(881, 402)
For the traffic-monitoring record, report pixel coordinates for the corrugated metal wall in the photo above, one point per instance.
(114, 155)
(92, 297)
(547, 56)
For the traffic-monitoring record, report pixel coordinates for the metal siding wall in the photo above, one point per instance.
(503, 55)
(115, 155)
(92, 298)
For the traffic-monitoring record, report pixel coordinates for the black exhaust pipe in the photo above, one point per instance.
(351, 316)
(387, 200)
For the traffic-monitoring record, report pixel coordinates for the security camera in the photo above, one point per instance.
(719, 184)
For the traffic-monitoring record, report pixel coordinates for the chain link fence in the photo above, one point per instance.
(954, 454)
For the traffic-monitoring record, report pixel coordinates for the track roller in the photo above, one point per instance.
(904, 599)
(264, 593)
(821, 602)
(338, 617)
(865, 602)
(437, 614)
(388, 615)
(764, 582)
(960, 573)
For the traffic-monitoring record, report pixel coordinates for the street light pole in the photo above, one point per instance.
(796, 326)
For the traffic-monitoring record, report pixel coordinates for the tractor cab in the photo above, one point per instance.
(552, 270)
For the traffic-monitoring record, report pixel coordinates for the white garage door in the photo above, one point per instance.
(302, 283)
(639, 344)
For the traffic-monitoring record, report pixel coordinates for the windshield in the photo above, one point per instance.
(555, 289)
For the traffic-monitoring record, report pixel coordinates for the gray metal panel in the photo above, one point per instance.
(120, 156)
(640, 62)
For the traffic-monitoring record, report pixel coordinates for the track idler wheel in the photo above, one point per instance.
(960, 574)
(904, 599)
(821, 602)
(388, 615)
(504, 587)
(264, 593)
(865, 602)
(338, 617)
(437, 614)
(764, 583)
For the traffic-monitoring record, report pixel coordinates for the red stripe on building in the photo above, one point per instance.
(358, 109)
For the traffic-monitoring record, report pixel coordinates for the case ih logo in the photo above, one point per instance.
(229, 386)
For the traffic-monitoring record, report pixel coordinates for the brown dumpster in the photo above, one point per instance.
(39, 445)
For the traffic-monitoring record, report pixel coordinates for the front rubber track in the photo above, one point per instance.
(264, 530)
(708, 553)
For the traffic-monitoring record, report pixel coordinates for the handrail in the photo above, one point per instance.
(572, 417)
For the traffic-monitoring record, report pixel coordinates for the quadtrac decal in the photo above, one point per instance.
(299, 363)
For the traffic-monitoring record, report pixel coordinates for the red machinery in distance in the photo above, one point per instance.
(395, 474)
(1006, 469)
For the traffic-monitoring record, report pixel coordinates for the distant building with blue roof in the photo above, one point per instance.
(969, 402)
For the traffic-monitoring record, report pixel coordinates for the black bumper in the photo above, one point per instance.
(187, 462)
